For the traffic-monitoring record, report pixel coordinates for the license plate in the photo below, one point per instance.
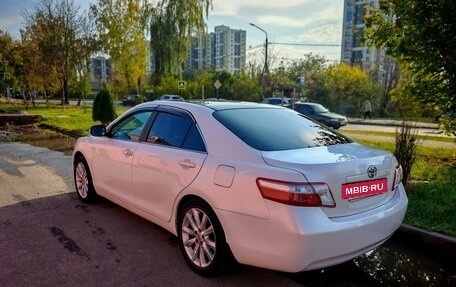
(364, 188)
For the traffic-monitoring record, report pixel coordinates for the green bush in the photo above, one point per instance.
(405, 151)
(103, 107)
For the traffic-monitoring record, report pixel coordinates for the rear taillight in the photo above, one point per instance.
(298, 194)
(397, 173)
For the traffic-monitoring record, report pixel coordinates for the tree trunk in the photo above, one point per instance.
(65, 91)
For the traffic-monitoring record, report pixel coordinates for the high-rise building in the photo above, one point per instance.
(230, 49)
(223, 49)
(199, 53)
(353, 51)
(100, 69)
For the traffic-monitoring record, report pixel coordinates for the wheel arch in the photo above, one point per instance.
(181, 203)
(77, 155)
(229, 258)
(190, 197)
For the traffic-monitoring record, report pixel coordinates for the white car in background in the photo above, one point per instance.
(256, 182)
(171, 98)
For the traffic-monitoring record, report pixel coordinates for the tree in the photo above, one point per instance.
(40, 75)
(63, 37)
(10, 61)
(246, 88)
(422, 34)
(122, 30)
(279, 79)
(349, 85)
(103, 107)
(239, 86)
(312, 68)
(387, 73)
(173, 23)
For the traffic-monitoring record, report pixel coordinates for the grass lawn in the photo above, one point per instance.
(432, 207)
(431, 191)
(73, 118)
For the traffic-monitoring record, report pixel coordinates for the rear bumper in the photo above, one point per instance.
(294, 239)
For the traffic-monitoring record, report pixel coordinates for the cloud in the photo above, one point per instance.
(233, 7)
(281, 21)
(11, 25)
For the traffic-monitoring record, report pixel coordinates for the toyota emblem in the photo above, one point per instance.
(372, 171)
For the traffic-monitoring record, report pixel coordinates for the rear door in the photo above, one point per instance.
(167, 162)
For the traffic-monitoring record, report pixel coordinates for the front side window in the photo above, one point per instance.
(131, 127)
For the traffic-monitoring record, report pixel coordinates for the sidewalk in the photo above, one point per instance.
(395, 123)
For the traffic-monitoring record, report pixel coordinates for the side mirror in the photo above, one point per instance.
(98, 130)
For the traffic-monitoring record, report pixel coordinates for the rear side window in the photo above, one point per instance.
(303, 109)
(277, 129)
(176, 131)
(193, 141)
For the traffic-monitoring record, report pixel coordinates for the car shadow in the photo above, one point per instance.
(60, 241)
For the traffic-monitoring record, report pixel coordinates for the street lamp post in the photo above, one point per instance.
(265, 75)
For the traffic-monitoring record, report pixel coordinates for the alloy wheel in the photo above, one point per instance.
(198, 237)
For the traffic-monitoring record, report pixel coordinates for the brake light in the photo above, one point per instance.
(297, 194)
(398, 173)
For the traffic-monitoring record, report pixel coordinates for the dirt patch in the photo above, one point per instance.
(38, 137)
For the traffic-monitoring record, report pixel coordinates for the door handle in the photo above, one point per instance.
(187, 163)
(127, 152)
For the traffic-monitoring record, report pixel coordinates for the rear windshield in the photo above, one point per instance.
(272, 129)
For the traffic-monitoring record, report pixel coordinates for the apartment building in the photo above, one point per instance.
(223, 49)
(100, 69)
(353, 51)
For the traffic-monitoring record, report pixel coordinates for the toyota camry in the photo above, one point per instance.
(243, 182)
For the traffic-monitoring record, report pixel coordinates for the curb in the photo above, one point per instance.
(62, 131)
(436, 243)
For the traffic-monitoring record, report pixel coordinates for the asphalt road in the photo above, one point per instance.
(49, 238)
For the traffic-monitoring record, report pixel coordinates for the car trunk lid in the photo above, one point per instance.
(345, 168)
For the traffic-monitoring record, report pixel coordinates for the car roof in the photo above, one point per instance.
(213, 105)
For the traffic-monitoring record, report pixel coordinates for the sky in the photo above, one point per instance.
(285, 21)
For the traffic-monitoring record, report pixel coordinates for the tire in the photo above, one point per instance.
(83, 181)
(201, 239)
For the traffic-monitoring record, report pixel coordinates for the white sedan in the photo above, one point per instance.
(257, 183)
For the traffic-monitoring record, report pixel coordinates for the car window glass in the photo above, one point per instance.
(194, 141)
(131, 127)
(319, 109)
(304, 109)
(277, 129)
(169, 129)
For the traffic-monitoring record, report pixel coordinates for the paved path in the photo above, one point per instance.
(356, 130)
(49, 238)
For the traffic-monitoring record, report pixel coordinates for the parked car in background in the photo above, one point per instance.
(321, 114)
(258, 182)
(132, 100)
(171, 98)
(278, 101)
